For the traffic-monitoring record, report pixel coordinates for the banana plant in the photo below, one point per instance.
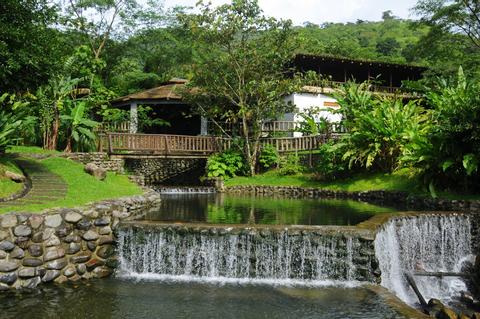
(79, 127)
(10, 120)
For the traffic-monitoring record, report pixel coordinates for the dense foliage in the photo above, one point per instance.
(226, 165)
(448, 155)
(269, 157)
(11, 116)
(378, 127)
(66, 60)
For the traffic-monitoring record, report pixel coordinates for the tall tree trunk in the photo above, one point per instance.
(53, 139)
(251, 160)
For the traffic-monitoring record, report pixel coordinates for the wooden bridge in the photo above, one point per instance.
(200, 146)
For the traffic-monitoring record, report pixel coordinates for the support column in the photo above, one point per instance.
(203, 126)
(133, 118)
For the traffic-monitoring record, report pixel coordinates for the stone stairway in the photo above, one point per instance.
(46, 186)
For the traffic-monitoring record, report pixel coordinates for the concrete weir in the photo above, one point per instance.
(245, 252)
(378, 251)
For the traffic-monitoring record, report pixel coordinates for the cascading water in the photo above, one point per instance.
(274, 256)
(430, 243)
(185, 190)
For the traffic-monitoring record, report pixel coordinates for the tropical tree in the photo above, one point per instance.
(100, 20)
(79, 127)
(10, 119)
(51, 100)
(457, 16)
(28, 46)
(240, 72)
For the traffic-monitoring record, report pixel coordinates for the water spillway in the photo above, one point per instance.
(172, 190)
(244, 253)
(429, 243)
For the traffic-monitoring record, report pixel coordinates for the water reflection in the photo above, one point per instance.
(232, 209)
(115, 298)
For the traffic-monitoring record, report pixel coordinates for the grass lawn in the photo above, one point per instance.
(377, 181)
(82, 187)
(7, 186)
(29, 150)
(399, 181)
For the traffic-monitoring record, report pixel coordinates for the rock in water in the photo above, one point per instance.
(94, 170)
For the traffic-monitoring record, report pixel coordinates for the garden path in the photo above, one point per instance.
(46, 186)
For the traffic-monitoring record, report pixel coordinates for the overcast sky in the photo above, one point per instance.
(320, 11)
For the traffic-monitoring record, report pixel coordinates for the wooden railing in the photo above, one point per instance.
(276, 127)
(280, 126)
(294, 144)
(164, 144)
(121, 127)
(197, 145)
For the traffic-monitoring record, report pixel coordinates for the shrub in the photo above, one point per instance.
(269, 157)
(379, 128)
(448, 156)
(290, 165)
(330, 165)
(227, 164)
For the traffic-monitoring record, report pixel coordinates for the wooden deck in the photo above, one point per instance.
(176, 145)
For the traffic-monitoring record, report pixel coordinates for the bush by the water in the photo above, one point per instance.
(290, 165)
(269, 157)
(331, 165)
(227, 164)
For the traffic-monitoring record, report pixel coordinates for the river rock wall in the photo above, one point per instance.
(100, 159)
(64, 244)
(168, 171)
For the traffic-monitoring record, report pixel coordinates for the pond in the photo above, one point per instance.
(217, 208)
(126, 298)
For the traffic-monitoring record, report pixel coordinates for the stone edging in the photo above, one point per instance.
(64, 244)
(412, 202)
(27, 186)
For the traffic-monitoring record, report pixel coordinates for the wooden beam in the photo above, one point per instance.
(412, 284)
(440, 274)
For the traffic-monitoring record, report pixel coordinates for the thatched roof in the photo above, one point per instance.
(165, 92)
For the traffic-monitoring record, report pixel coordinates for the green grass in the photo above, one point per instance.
(29, 150)
(378, 181)
(398, 181)
(82, 187)
(7, 186)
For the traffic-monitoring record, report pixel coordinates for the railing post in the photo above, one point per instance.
(166, 145)
(110, 146)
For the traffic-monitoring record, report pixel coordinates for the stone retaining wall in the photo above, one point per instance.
(100, 159)
(380, 197)
(176, 171)
(64, 244)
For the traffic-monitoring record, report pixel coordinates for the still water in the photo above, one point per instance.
(127, 298)
(234, 209)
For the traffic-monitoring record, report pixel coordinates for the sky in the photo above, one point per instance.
(320, 11)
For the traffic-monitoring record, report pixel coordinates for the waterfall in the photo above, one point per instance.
(185, 190)
(436, 243)
(271, 256)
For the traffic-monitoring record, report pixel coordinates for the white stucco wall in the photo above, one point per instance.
(305, 101)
